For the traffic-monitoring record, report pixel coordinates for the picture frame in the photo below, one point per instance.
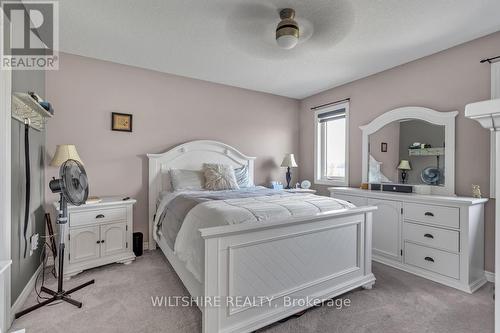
(383, 147)
(121, 122)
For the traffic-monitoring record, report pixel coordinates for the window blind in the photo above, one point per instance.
(331, 115)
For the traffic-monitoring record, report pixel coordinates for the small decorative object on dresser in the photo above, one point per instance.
(476, 191)
(404, 165)
(121, 122)
(99, 234)
(305, 184)
(289, 162)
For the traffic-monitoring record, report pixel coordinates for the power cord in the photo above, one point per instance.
(41, 275)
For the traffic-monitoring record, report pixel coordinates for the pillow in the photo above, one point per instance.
(219, 177)
(186, 179)
(242, 176)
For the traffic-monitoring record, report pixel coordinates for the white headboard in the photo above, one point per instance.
(189, 156)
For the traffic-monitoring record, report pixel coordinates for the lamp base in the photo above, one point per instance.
(403, 176)
(288, 177)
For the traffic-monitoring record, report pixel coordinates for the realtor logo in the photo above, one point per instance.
(30, 35)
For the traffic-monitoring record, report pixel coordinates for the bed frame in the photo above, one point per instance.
(292, 261)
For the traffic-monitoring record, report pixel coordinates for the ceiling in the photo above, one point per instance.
(232, 41)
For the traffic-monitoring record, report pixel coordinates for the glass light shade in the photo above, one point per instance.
(64, 153)
(404, 165)
(287, 41)
(289, 161)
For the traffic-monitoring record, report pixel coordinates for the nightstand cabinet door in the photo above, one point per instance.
(113, 238)
(84, 244)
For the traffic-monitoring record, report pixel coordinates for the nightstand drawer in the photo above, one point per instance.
(433, 260)
(440, 215)
(97, 216)
(431, 236)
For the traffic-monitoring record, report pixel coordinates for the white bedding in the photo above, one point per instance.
(189, 246)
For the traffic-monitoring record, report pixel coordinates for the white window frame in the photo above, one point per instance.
(319, 153)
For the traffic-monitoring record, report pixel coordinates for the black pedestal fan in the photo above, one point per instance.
(72, 187)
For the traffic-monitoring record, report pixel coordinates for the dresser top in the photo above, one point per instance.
(409, 196)
(105, 201)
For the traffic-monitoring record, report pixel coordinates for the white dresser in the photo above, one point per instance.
(99, 234)
(436, 237)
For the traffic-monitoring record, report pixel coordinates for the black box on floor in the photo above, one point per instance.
(137, 243)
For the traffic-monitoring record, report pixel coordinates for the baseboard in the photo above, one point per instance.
(489, 276)
(21, 299)
(145, 246)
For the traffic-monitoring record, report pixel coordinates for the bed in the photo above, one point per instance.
(308, 249)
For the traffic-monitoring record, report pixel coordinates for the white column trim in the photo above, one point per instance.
(495, 93)
(5, 194)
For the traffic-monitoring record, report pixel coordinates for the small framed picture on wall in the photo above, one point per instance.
(383, 147)
(121, 122)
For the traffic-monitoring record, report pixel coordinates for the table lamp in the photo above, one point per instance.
(64, 153)
(289, 162)
(404, 165)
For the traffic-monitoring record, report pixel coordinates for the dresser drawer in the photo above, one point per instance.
(431, 236)
(439, 215)
(97, 216)
(433, 260)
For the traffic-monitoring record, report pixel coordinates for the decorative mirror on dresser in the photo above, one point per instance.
(419, 149)
(428, 231)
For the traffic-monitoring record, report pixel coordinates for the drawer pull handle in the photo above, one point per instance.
(102, 241)
(429, 236)
(429, 259)
(98, 242)
(100, 216)
(428, 214)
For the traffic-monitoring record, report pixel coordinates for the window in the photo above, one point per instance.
(331, 148)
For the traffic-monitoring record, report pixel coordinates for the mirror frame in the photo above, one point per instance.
(446, 119)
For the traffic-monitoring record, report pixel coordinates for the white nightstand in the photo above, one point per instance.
(300, 190)
(98, 234)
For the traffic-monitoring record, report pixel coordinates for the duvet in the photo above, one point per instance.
(180, 215)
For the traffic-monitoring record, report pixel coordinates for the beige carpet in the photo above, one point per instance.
(120, 301)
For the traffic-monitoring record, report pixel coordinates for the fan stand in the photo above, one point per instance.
(60, 294)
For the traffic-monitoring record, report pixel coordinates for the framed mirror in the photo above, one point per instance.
(411, 145)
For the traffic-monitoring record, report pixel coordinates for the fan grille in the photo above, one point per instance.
(75, 183)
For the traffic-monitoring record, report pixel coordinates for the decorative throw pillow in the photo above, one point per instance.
(242, 176)
(186, 179)
(219, 177)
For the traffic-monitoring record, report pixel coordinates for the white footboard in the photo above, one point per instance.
(256, 274)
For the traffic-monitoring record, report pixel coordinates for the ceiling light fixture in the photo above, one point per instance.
(287, 31)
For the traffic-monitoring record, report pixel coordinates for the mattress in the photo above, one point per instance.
(181, 214)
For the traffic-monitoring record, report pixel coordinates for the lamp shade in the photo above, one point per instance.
(289, 161)
(64, 153)
(404, 165)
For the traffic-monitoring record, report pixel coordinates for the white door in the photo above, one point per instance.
(387, 228)
(83, 244)
(113, 238)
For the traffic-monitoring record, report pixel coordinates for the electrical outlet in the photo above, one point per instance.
(34, 242)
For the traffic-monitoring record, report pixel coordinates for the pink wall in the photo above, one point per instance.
(445, 81)
(167, 110)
